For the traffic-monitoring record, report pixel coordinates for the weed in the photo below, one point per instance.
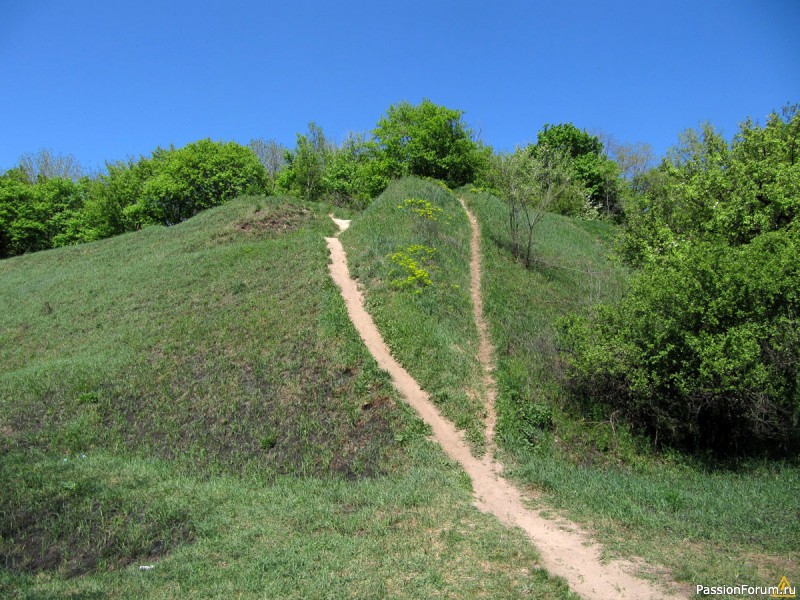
(410, 267)
(422, 207)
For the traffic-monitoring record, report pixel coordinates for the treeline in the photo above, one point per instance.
(42, 206)
(704, 350)
(47, 202)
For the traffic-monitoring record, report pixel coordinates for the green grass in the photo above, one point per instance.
(198, 343)
(705, 522)
(413, 535)
(196, 399)
(430, 328)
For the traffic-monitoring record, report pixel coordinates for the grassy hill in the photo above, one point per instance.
(703, 521)
(195, 399)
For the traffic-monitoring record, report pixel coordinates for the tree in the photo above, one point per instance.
(37, 216)
(704, 350)
(114, 200)
(428, 140)
(306, 164)
(707, 188)
(589, 163)
(46, 164)
(533, 183)
(355, 172)
(272, 156)
(196, 177)
(633, 159)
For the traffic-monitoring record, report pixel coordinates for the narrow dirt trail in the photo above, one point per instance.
(565, 551)
(485, 349)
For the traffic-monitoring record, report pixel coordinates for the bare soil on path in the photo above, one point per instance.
(565, 550)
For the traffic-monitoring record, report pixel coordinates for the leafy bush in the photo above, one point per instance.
(587, 161)
(709, 189)
(705, 349)
(167, 188)
(196, 177)
(429, 140)
(36, 216)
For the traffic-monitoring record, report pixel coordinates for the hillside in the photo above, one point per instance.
(675, 510)
(194, 399)
(703, 519)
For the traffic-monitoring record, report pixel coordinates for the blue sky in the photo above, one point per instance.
(107, 80)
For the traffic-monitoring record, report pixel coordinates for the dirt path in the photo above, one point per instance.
(565, 551)
(485, 349)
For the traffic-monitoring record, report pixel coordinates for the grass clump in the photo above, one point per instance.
(410, 251)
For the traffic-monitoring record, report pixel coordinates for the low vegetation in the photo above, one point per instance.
(410, 249)
(194, 399)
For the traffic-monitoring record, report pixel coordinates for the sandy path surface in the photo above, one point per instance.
(564, 549)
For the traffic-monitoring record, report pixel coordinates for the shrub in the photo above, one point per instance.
(196, 177)
(704, 351)
(429, 140)
(412, 267)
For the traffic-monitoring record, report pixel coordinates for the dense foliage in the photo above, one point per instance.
(428, 140)
(166, 188)
(585, 157)
(705, 351)
(36, 216)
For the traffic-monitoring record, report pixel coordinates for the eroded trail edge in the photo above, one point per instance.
(564, 550)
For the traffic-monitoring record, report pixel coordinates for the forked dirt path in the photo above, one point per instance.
(565, 551)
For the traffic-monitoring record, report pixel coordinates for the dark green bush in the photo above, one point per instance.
(704, 351)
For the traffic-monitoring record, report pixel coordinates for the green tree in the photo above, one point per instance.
(707, 188)
(356, 172)
(429, 140)
(113, 203)
(534, 183)
(196, 177)
(305, 165)
(37, 216)
(588, 161)
(704, 350)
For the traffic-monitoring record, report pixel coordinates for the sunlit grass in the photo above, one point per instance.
(196, 400)
(704, 521)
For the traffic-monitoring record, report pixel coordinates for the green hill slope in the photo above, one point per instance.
(704, 522)
(195, 400)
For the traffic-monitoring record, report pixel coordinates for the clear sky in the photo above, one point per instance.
(111, 79)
